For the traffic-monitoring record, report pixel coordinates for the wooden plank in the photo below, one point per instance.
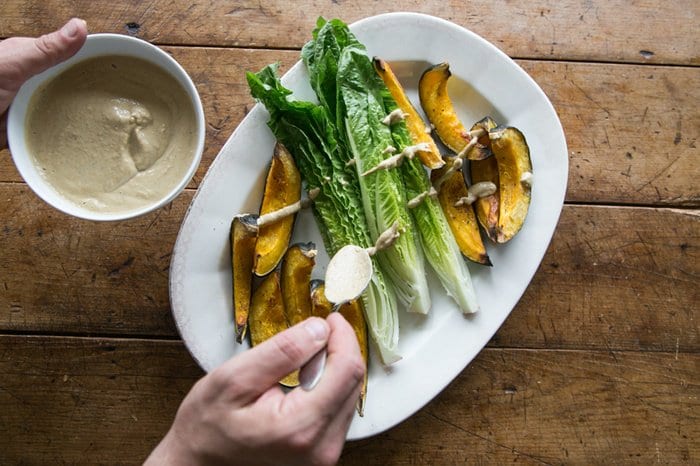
(616, 278)
(570, 29)
(63, 274)
(632, 130)
(89, 401)
(552, 407)
(621, 278)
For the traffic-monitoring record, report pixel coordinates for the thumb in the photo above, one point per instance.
(23, 57)
(261, 367)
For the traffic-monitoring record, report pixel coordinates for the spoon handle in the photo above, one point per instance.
(310, 374)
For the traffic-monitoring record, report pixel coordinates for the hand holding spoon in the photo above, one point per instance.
(347, 275)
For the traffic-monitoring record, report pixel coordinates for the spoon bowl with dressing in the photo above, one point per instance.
(347, 275)
(113, 133)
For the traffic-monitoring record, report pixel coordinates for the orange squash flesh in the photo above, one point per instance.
(297, 265)
(420, 132)
(320, 306)
(352, 312)
(267, 317)
(462, 219)
(486, 170)
(437, 105)
(513, 157)
(282, 188)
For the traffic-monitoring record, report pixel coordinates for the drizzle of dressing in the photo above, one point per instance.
(274, 216)
(395, 160)
(473, 140)
(456, 165)
(477, 191)
(394, 117)
(386, 239)
(416, 201)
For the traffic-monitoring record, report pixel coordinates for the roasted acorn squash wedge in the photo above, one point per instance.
(352, 312)
(486, 207)
(486, 170)
(282, 188)
(436, 103)
(420, 132)
(267, 317)
(482, 149)
(297, 265)
(320, 306)
(461, 218)
(515, 178)
(243, 236)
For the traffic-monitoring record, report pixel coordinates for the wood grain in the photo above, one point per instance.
(101, 401)
(632, 131)
(615, 278)
(552, 407)
(596, 30)
(620, 278)
(62, 274)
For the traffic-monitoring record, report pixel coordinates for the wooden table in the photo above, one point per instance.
(598, 363)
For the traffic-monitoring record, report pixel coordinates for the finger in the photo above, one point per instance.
(46, 51)
(253, 372)
(343, 374)
(23, 57)
(336, 432)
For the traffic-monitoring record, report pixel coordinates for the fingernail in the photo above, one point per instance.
(317, 328)
(71, 28)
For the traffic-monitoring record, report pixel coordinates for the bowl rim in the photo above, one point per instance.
(96, 45)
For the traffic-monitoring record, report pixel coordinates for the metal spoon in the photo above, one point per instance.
(347, 275)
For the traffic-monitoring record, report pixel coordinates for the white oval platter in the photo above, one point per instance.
(436, 348)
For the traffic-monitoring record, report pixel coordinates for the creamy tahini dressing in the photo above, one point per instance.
(347, 274)
(112, 133)
(350, 269)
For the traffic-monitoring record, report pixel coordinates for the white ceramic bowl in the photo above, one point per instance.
(99, 45)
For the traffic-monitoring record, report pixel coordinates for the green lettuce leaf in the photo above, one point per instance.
(308, 133)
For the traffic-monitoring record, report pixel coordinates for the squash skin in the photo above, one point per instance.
(243, 236)
(513, 157)
(486, 170)
(462, 219)
(419, 131)
(282, 188)
(437, 105)
(267, 317)
(297, 265)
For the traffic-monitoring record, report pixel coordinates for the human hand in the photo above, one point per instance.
(23, 57)
(238, 414)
